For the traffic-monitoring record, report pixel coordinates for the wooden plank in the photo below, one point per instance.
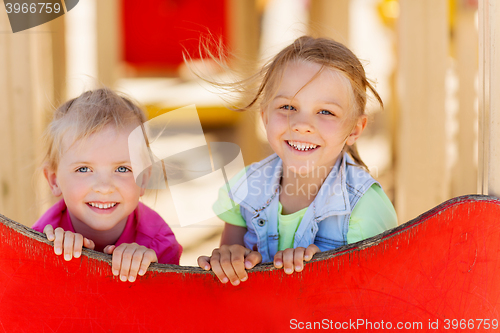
(243, 35)
(466, 41)
(108, 40)
(442, 266)
(26, 94)
(489, 100)
(330, 19)
(422, 177)
(6, 167)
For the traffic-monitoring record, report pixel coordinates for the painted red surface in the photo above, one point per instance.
(441, 266)
(156, 32)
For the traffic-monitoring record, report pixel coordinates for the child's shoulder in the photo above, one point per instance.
(54, 216)
(147, 216)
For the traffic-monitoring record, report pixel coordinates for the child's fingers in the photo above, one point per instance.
(68, 244)
(278, 259)
(311, 250)
(204, 262)
(288, 261)
(78, 245)
(148, 258)
(109, 249)
(232, 262)
(237, 264)
(216, 266)
(58, 241)
(298, 259)
(49, 232)
(252, 258)
(135, 263)
(127, 256)
(88, 243)
(116, 260)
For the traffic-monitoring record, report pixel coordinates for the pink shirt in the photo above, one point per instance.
(144, 227)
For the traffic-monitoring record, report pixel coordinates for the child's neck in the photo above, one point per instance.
(298, 191)
(101, 238)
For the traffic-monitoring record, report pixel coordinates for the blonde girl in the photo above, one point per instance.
(88, 166)
(314, 194)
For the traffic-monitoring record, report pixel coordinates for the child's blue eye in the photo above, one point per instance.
(83, 169)
(325, 112)
(123, 169)
(288, 107)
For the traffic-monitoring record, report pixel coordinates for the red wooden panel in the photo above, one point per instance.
(155, 31)
(441, 266)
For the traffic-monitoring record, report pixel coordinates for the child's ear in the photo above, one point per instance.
(51, 177)
(357, 130)
(263, 115)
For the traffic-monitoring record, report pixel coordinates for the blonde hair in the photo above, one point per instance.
(87, 114)
(262, 86)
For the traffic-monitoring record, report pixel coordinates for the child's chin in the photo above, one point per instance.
(299, 170)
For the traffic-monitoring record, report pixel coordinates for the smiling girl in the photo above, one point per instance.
(315, 193)
(88, 165)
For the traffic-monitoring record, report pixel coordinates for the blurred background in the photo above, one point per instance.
(422, 56)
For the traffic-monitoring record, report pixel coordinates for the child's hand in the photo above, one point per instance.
(294, 258)
(130, 260)
(71, 242)
(229, 263)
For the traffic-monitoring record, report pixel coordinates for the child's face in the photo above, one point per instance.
(307, 122)
(95, 179)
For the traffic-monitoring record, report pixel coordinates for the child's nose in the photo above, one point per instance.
(302, 124)
(103, 184)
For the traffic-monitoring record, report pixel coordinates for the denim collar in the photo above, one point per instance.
(260, 187)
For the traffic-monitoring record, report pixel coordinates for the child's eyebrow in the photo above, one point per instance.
(80, 162)
(86, 162)
(282, 96)
(331, 102)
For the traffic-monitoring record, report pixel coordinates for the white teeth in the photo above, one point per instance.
(302, 146)
(102, 206)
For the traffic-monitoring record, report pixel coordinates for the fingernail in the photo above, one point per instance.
(131, 279)
(307, 257)
(141, 272)
(207, 267)
(67, 257)
(235, 283)
(58, 250)
(298, 268)
(77, 254)
(123, 278)
(278, 263)
(248, 264)
(244, 279)
(288, 270)
(115, 272)
(224, 280)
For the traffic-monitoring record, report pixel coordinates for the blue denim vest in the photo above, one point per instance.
(326, 220)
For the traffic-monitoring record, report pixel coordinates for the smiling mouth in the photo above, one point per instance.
(101, 205)
(302, 146)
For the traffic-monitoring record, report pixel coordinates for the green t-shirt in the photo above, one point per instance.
(373, 214)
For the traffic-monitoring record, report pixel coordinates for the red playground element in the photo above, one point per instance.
(439, 272)
(156, 32)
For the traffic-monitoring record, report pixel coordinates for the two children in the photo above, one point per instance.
(314, 194)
